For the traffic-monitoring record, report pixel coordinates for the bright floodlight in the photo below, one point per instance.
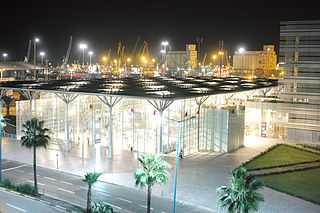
(36, 39)
(90, 52)
(83, 46)
(241, 50)
(4, 54)
(42, 53)
(165, 43)
(163, 51)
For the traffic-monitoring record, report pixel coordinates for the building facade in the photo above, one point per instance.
(178, 62)
(256, 63)
(300, 56)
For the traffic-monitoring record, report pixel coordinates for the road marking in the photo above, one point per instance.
(49, 178)
(66, 190)
(18, 170)
(15, 207)
(145, 207)
(128, 201)
(104, 194)
(32, 174)
(112, 205)
(17, 167)
(66, 182)
(30, 181)
(82, 187)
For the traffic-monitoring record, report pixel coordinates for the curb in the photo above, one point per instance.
(37, 199)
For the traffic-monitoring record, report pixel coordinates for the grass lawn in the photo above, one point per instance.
(280, 156)
(305, 184)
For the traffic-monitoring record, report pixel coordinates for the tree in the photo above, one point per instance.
(34, 137)
(154, 171)
(242, 196)
(90, 178)
(7, 99)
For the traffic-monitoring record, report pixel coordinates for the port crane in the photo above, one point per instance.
(27, 57)
(66, 59)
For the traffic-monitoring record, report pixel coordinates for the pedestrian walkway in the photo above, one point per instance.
(285, 168)
(199, 175)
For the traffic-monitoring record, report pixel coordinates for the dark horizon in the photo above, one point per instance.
(102, 25)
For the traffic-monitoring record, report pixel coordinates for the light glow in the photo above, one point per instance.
(83, 46)
(241, 50)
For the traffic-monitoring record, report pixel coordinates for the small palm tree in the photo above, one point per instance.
(154, 171)
(90, 178)
(7, 99)
(34, 137)
(242, 196)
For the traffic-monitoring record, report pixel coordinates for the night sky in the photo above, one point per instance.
(102, 24)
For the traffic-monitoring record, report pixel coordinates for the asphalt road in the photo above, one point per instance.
(12, 203)
(72, 189)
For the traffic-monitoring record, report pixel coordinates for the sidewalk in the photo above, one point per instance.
(199, 175)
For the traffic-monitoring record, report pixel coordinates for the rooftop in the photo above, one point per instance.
(166, 88)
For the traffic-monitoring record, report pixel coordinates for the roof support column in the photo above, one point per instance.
(161, 106)
(110, 102)
(30, 95)
(3, 92)
(199, 101)
(67, 99)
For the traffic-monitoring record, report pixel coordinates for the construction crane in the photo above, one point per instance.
(204, 58)
(27, 57)
(144, 51)
(135, 47)
(66, 59)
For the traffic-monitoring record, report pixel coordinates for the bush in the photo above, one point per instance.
(101, 208)
(26, 188)
(7, 183)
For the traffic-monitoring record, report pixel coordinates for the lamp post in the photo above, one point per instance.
(214, 60)
(177, 156)
(36, 40)
(42, 54)
(83, 47)
(5, 56)
(164, 44)
(220, 61)
(90, 54)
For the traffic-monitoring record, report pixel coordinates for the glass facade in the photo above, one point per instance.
(219, 125)
(300, 100)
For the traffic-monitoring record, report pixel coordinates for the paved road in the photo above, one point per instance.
(12, 203)
(72, 189)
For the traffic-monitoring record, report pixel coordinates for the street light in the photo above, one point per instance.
(177, 156)
(214, 60)
(241, 50)
(4, 56)
(36, 40)
(90, 54)
(42, 54)
(164, 43)
(83, 47)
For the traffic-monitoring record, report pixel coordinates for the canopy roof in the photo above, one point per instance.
(167, 88)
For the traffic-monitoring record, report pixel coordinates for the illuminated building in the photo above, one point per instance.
(300, 99)
(260, 64)
(136, 113)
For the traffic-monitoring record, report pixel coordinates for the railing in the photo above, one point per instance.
(9, 135)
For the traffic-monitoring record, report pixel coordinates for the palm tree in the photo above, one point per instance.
(154, 171)
(7, 99)
(90, 178)
(242, 196)
(34, 137)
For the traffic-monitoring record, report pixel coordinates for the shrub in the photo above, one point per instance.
(101, 208)
(7, 183)
(26, 188)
